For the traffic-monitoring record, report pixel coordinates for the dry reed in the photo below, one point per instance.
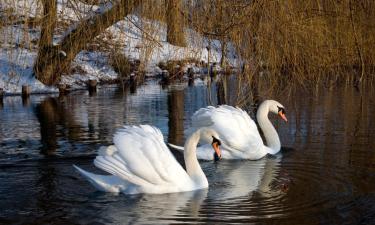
(280, 42)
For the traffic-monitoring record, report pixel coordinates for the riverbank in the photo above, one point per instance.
(126, 39)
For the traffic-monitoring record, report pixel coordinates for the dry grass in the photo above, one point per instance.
(281, 42)
(304, 42)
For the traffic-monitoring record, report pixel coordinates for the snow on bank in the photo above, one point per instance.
(16, 70)
(66, 9)
(136, 38)
(92, 66)
(147, 40)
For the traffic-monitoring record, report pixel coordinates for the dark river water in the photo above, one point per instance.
(325, 173)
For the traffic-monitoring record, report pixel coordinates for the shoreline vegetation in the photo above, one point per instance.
(52, 44)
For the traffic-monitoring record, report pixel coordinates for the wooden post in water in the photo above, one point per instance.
(133, 83)
(26, 90)
(165, 77)
(63, 89)
(190, 73)
(1, 98)
(92, 86)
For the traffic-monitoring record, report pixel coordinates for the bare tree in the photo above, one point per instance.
(52, 60)
(175, 23)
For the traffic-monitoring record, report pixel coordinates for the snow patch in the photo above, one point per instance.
(94, 65)
(16, 70)
(135, 37)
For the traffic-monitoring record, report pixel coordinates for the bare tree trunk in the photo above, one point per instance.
(46, 36)
(55, 60)
(48, 22)
(358, 48)
(175, 23)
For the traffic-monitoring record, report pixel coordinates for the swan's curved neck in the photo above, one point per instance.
(191, 162)
(269, 131)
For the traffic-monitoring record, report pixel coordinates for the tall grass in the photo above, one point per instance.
(304, 42)
(301, 42)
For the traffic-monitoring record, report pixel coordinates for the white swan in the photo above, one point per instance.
(140, 162)
(239, 134)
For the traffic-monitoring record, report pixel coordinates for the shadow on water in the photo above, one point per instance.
(176, 120)
(222, 91)
(176, 116)
(51, 114)
(325, 173)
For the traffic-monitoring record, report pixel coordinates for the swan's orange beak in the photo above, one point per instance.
(215, 145)
(282, 115)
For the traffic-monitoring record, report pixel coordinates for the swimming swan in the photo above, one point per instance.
(239, 134)
(140, 162)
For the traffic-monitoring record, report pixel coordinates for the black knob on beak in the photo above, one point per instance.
(216, 157)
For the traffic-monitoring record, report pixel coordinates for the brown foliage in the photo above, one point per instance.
(301, 41)
(304, 42)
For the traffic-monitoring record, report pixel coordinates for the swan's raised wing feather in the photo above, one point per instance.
(234, 126)
(201, 118)
(142, 158)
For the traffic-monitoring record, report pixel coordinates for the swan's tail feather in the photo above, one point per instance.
(180, 148)
(116, 168)
(104, 183)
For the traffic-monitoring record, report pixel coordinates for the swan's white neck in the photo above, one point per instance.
(191, 162)
(269, 131)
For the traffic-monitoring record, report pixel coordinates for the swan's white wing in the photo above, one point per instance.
(105, 183)
(142, 158)
(234, 126)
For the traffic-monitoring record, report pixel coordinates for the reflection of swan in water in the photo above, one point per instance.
(233, 179)
(229, 181)
(147, 208)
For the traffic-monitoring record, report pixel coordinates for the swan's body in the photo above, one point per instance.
(239, 134)
(140, 162)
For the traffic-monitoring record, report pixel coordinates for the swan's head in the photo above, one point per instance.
(277, 108)
(209, 134)
(215, 144)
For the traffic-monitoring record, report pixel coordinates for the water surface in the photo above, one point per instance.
(325, 173)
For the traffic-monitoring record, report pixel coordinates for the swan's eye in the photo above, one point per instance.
(280, 109)
(281, 112)
(215, 140)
